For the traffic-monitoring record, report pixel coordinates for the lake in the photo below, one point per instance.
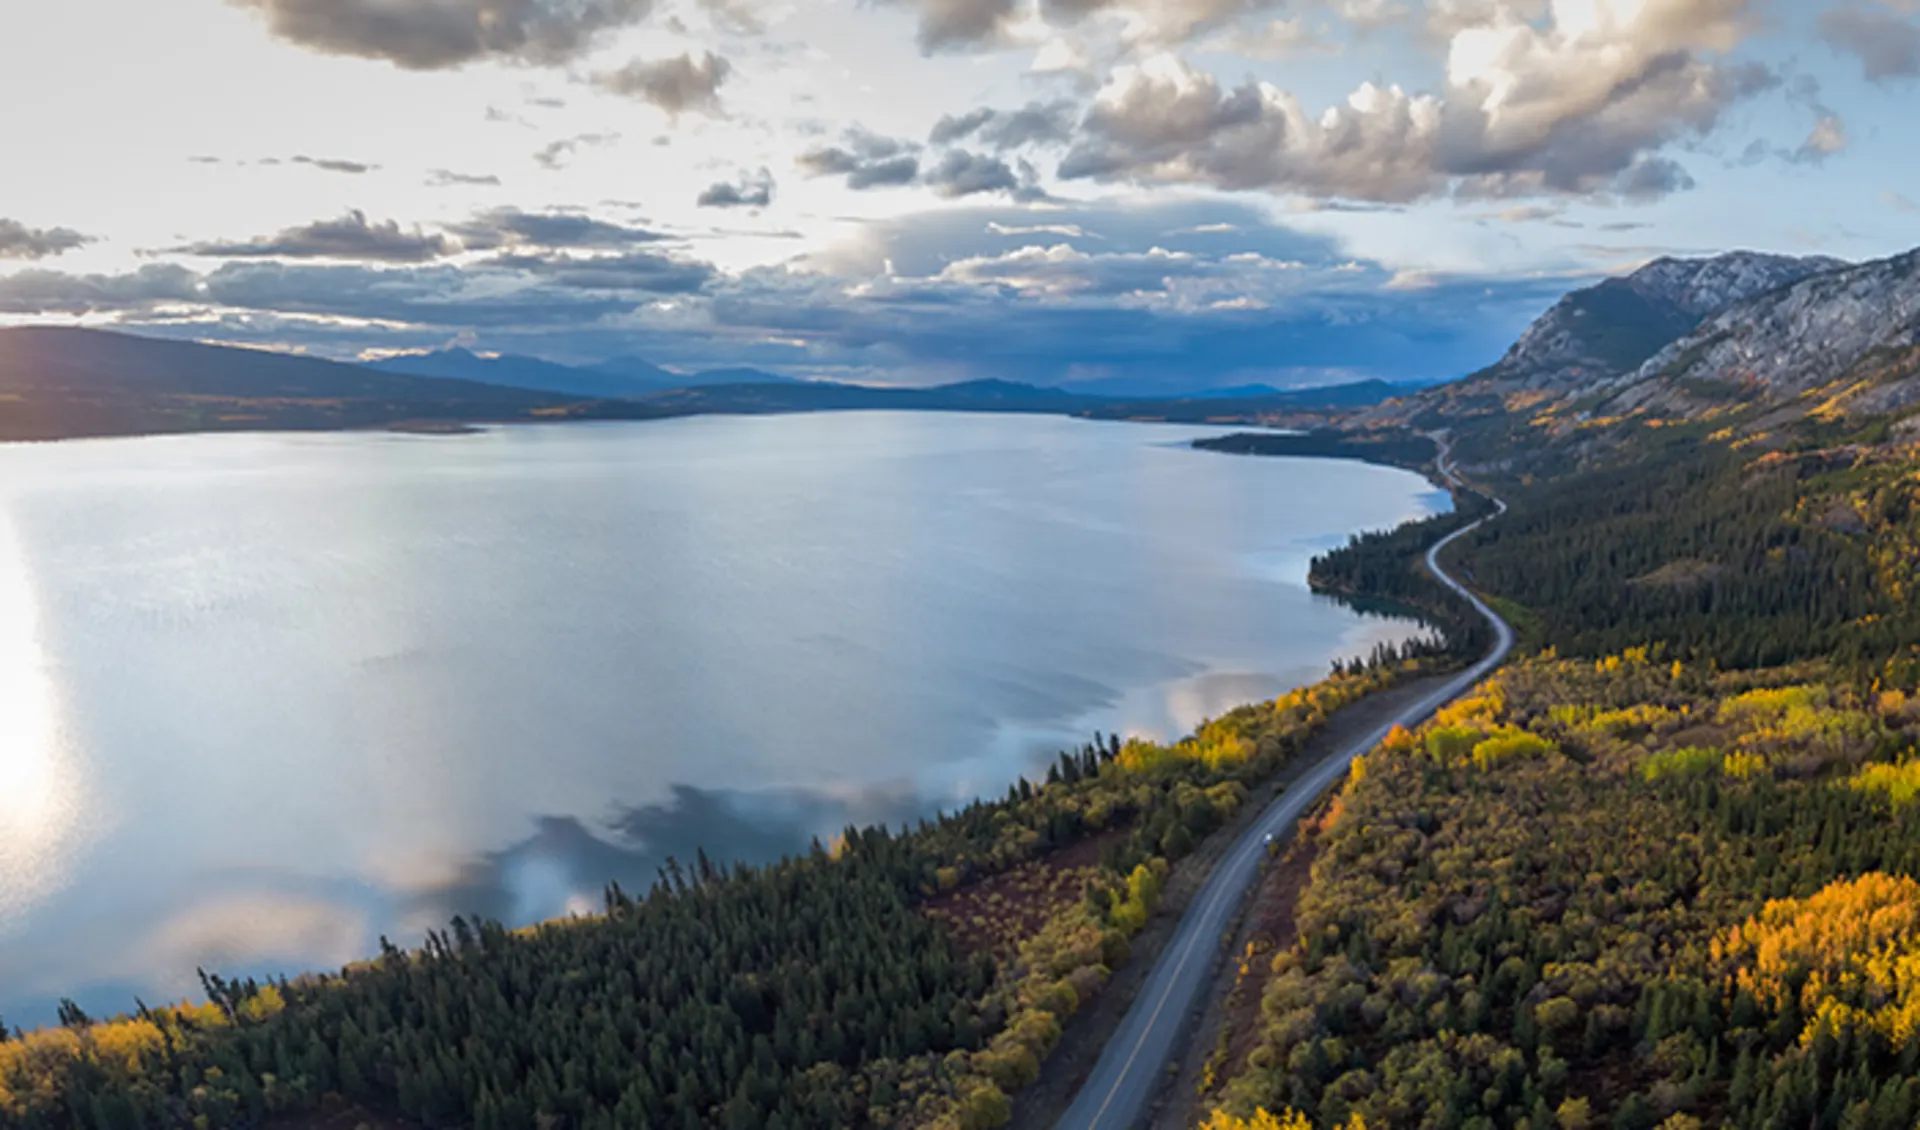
(266, 698)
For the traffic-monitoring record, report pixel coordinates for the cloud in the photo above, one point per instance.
(1074, 231)
(637, 271)
(866, 159)
(963, 25)
(734, 16)
(751, 190)
(439, 34)
(447, 178)
(676, 84)
(352, 236)
(948, 25)
(1580, 106)
(556, 154)
(1829, 136)
(1275, 39)
(18, 241)
(1040, 272)
(1149, 308)
(1886, 44)
(56, 292)
(960, 173)
(1036, 123)
(1898, 202)
(439, 296)
(511, 227)
(870, 160)
(334, 165)
(1167, 295)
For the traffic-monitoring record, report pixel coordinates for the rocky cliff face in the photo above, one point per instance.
(1612, 328)
(1600, 333)
(1845, 341)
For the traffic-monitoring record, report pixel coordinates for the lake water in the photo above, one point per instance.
(264, 698)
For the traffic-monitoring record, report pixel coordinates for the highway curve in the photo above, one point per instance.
(1133, 1065)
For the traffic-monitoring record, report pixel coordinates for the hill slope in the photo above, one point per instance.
(59, 382)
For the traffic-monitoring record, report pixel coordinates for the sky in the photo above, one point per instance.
(1155, 195)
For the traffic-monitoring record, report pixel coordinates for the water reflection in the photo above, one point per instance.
(40, 784)
(265, 698)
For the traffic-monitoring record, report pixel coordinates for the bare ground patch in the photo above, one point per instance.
(995, 914)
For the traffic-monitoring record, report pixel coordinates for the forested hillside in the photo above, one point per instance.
(1622, 892)
(1663, 874)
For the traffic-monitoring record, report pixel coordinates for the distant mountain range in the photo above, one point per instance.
(58, 382)
(621, 377)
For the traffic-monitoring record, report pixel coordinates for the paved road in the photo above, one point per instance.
(1134, 1064)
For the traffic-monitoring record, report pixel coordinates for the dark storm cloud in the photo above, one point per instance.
(510, 227)
(676, 85)
(18, 241)
(751, 190)
(352, 236)
(1886, 43)
(438, 34)
(866, 159)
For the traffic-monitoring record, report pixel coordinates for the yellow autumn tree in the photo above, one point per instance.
(1848, 956)
(1287, 1119)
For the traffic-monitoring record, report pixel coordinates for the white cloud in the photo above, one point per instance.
(1583, 105)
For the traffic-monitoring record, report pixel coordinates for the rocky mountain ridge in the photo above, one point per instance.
(1845, 341)
(1599, 333)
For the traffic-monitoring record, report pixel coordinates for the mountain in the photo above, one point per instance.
(736, 376)
(1601, 332)
(1843, 342)
(58, 381)
(825, 396)
(618, 378)
(527, 372)
(637, 370)
(1293, 408)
